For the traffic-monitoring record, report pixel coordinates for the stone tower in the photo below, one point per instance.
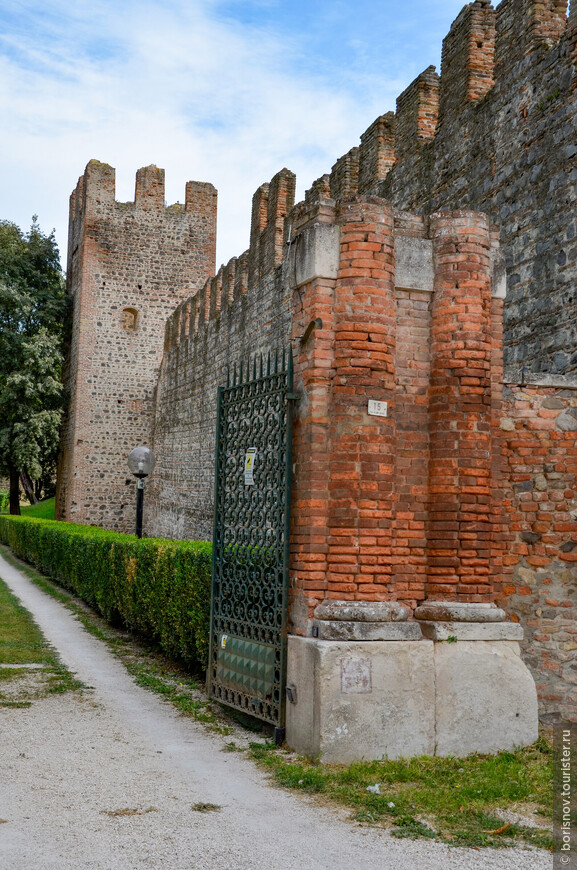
(129, 265)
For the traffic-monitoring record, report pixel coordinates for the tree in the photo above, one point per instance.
(33, 309)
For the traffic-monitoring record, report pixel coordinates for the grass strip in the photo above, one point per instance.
(454, 800)
(22, 643)
(43, 510)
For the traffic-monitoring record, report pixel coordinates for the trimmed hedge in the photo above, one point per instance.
(157, 588)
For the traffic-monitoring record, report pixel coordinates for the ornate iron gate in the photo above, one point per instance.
(247, 663)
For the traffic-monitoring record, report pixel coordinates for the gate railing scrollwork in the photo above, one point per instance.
(247, 661)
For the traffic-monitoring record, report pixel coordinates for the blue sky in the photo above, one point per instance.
(225, 91)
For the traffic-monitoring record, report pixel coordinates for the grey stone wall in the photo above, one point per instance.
(232, 319)
(497, 132)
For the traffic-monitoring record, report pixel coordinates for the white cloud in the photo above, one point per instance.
(173, 83)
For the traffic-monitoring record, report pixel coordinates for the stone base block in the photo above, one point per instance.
(340, 630)
(354, 700)
(358, 699)
(485, 698)
(456, 611)
(472, 630)
(362, 611)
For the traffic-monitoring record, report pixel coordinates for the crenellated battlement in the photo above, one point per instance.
(218, 294)
(377, 152)
(492, 133)
(484, 47)
(271, 204)
(94, 198)
(149, 191)
(468, 59)
(417, 112)
(523, 26)
(344, 177)
(96, 191)
(319, 189)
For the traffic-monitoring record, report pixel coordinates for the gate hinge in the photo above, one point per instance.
(292, 396)
(314, 324)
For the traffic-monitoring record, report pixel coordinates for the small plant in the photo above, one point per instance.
(548, 99)
(453, 800)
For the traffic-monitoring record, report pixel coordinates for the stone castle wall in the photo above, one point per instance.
(129, 264)
(539, 425)
(495, 132)
(245, 309)
(464, 490)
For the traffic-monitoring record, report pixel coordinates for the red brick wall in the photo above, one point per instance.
(362, 448)
(397, 507)
(461, 440)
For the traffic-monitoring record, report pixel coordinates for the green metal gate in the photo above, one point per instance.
(247, 663)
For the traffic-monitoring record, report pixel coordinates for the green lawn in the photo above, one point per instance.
(455, 800)
(44, 509)
(22, 644)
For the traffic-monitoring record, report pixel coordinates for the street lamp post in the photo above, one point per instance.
(141, 462)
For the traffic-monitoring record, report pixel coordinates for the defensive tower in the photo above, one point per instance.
(129, 266)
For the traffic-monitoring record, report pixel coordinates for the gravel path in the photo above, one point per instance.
(107, 779)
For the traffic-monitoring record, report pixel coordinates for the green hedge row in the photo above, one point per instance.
(158, 588)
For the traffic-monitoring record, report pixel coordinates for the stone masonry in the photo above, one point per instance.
(129, 264)
(393, 269)
(539, 424)
(245, 309)
(496, 132)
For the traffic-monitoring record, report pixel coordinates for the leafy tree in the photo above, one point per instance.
(33, 307)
